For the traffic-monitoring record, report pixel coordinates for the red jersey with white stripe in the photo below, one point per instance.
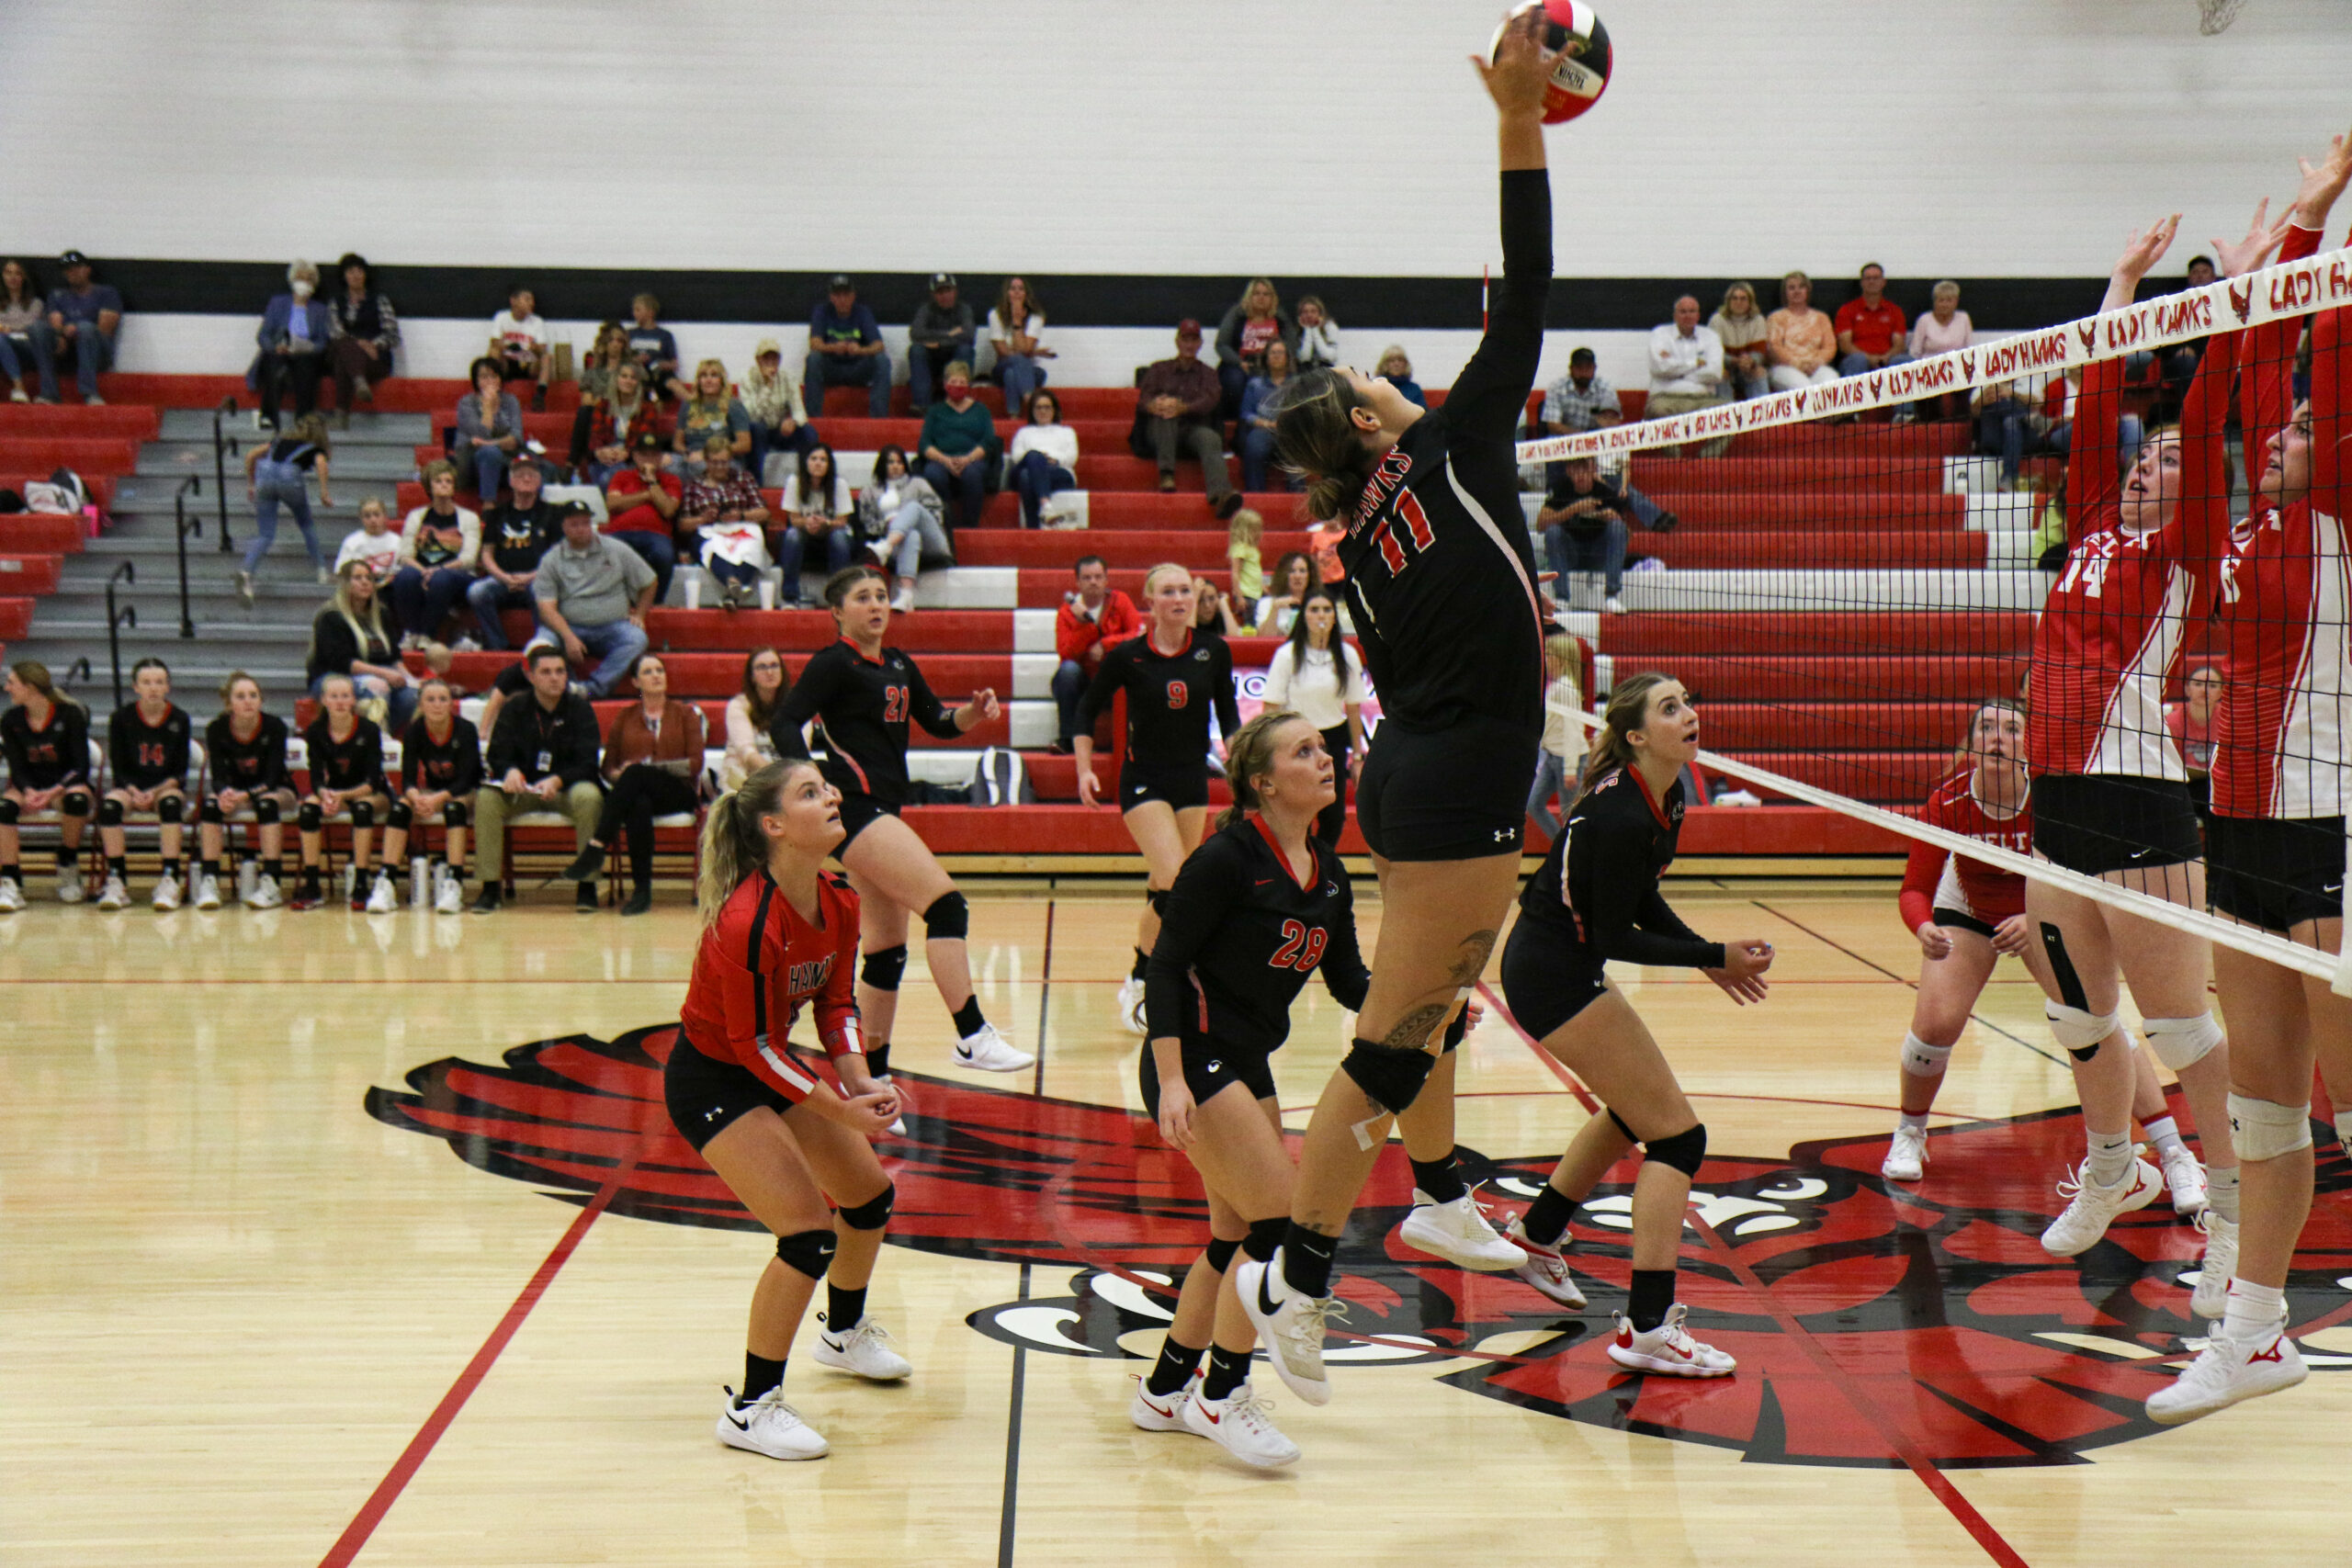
(2110, 630)
(2284, 592)
(758, 963)
(1935, 878)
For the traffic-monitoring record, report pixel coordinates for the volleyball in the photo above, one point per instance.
(1574, 32)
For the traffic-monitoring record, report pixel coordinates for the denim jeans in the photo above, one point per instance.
(1257, 448)
(790, 548)
(913, 534)
(400, 702)
(422, 600)
(17, 357)
(1856, 365)
(487, 596)
(871, 371)
(766, 440)
(1601, 550)
(270, 493)
(1645, 512)
(743, 574)
(965, 493)
(1070, 681)
(925, 366)
(1232, 379)
(1037, 476)
(1756, 383)
(93, 351)
(490, 471)
(1551, 779)
(657, 551)
(615, 645)
(1018, 376)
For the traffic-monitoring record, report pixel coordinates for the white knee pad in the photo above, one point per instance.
(1922, 1060)
(2264, 1129)
(2183, 1042)
(2076, 1029)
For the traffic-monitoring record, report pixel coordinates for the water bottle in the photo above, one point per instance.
(248, 878)
(418, 885)
(350, 878)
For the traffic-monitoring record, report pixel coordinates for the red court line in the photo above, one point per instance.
(388, 1490)
(1584, 1095)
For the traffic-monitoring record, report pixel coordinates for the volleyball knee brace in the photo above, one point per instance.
(1685, 1152)
(1218, 1253)
(170, 809)
(73, 803)
(399, 818)
(1391, 1078)
(2183, 1042)
(875, 1213)
(1921, 1060)
(2080, 1031)
(307, 816)
(947, 918)
(363, 814)
(2264, 1129)
(884, 967)
(1265, 1236)
(209, 813)
(811, 1252)
(456, 815)
(266, 811)
(109, 814)
(9, 812)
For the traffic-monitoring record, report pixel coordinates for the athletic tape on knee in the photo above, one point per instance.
(1685, 1152)
(307, 817)
(399, 818)
(169, 809)
(9, 811)
(363, 814)
(109, 814)
(266, 811)
(947, 918)
(1218, 1253)
(875, 1213)
(2062, 967)
(1265, 1236)
(1921, 1060)
(2183, 1042)
(811, 1252)
(1391, 1078)
(456, 815)
(2081, 1031)
(884, 967)
(73, 803)
(2264, 1129)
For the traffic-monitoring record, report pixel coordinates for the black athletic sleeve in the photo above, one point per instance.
(1344, 973)
(1109, 678)
(1491, 394)
(466, 741)
(818, 681)
(276, 774)
(122, 747)
(1228, 713)
(1212, 881)
(1614, 923)
(1657, 916)
(926, 709)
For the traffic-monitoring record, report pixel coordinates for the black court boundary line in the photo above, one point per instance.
(1005, 1518)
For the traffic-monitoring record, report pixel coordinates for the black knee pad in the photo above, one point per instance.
(1158, 898)
(266, 809)
(363, 814)
(73, 803)
(399, 818)
(109, 814)
(948, 918)
(884, 967)
(1218, 1253)
(872, 1214)
(307, 816)
(1686, 1151)
(170, 809)
(811, 1252)
(1391, 1078)
(210, 812)
(1265, 1236)
(9, 812)
(1456, 1031)
(456, 815)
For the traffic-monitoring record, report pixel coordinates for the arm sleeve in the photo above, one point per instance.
(77, 742)
(1229, 712)
(1071, 633)
(1206, 890)
(799, 706)
(506, 740)
(1276, 693)
(1623, 921)
(577, 761)
(2092, 481)
(1488, 398)
(470, 540)
(2267, 391)
(1345, 975)
(1110, 677)
(746, 977)
(1920, 875)
(2201, 524)
(1657, 917)
(468, 741)
(838, 1028)
(926, 709)
(2331, 417)
(274, 773)
(122, 751)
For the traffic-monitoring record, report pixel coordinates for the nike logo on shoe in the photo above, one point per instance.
(1267, 1303)
(1212, 1419)
(738, 1426)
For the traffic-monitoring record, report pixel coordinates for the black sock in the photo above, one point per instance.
(171, 870)
(210, 868)
(1228, 1370)
(1176, 1363)
(1142, 959)
(843, 1308)
(1652, 1294)
(760, 1375)
(878, 1058)
(969, 1018)
(1307, 1260)
(119, 865)
(13, 873)
(1438, 1178)
(68, 860)
(1547, 1218)
(273, 868)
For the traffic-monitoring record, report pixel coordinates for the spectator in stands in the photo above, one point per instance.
(1397, 371)
(652, 768)
(1176, 408)
(2180, 361)
(2014, 423)
(1801, 342)
(1945, 329)
(779, 416)
(274, 476)
(748, 711)
(1871, 332)
(654, 348)
(83, 319)
(728, 514)
(1318, 335)
(518, 340)
(2191, 723)
(1686, 369)
(905, 522)
(1294, 580)
(1254, 321)
(542, 756)
(1213, 612)
(348, 637)
(515, 535)
(490, 429)
(713, 411)
(642, 504)
(1257, 440)
(1042, 461)
(45, 735)
(607, 353)
(1560, 760)
(1245, 539)
(1583, 525)
(1319, 678)
(1323, 537)
(603, 433)
(1013, 328)
(440, 773)
(1745, 335)
(817, 509)
(846, 349)
(344, 752)
(593, 594)
(1094, 618)
(372, 544)
(941, 333)
(440, 542)
(960, 449)
(1580, 401)
(147, 765)
(294, 333)
(364, 332)
(20, 313)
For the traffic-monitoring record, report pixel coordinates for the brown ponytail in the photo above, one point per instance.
(1629, 703)
(1315, 439)
(733, 846)
(1248, 757)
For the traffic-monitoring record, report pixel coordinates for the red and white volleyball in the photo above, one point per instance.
(1573, 32)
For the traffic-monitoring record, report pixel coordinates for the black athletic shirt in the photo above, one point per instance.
(1615, 845)
(141, 755)
(1238, 937)
(1168, 698)
(1439, 570)
(57, 754)
(862, 706)
(454, 764)
(348, 765)
(249, 765)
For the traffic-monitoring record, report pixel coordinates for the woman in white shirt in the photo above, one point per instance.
(1013, 329)
(1042, 461)
(1318, 336)
(1945, 329)
(749, 748)
(903, 523)
(1319, 678)
(1293, 579)
(817, 509)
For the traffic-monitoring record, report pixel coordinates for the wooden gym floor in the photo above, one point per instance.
(256, 1312)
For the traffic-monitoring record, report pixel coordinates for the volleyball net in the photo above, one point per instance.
(1845, 571)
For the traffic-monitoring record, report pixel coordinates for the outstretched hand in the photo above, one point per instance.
(2262, 237)
(2324, 181)
(2145, 248)
(1515, 79)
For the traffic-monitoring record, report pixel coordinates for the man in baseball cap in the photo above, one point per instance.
(82, 320)
(846, 349)
(1178, 399)
(943, 331)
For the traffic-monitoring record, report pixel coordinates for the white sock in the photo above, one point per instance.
(1914, 1124)
(2222, 1192)
(2253, 1310)
(2110, 1157)
(2165, 1134)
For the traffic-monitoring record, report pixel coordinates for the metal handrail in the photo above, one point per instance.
(117, 618)
(182, 525)
(224, 445)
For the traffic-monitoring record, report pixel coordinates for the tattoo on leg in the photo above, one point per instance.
(1412, 1030)
(1470, 960)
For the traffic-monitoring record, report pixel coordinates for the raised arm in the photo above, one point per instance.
(1492, 390)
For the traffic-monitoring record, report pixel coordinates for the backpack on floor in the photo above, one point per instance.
(1001, 780)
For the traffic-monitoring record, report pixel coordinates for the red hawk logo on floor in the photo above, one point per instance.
(1855, 1307)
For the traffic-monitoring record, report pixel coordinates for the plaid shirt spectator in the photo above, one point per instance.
(1564, 404)
(738, 492)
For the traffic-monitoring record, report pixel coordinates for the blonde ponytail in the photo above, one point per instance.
(734, 847)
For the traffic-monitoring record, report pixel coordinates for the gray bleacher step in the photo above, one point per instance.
(208, 634)
(164, 460)
(367, 429)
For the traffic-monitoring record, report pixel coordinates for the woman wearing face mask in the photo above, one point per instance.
(295, 332)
